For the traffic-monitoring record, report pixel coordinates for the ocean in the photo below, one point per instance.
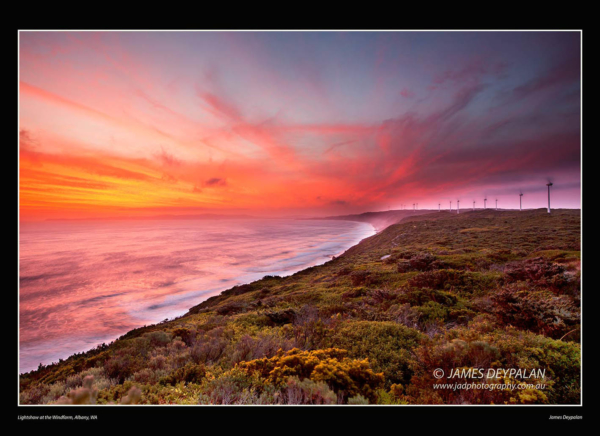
(83, 283)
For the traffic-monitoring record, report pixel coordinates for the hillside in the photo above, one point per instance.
(491, 289)
(379, 220)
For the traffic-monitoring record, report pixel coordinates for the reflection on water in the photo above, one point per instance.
(84, 283)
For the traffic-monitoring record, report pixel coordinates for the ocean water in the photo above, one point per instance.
(85, 283)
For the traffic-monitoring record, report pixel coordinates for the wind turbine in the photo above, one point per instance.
(450, 205)
(521, 202)
(413, 207)
(473, 205)
(496, 204)
(439, 207)
(457, 206)
(548, 185)
(484, 200)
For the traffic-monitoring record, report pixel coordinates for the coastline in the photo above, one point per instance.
(350, 306)
(245, 279)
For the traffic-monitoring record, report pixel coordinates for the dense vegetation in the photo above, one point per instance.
(480, 289)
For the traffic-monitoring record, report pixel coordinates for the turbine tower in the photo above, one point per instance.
(473, 205)
(521, 202)
(439, 207)
(457, 207)
(484, 203)
(496, 204)
(548, 185)
(450, 205)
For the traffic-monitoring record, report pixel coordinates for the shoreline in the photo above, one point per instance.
(325, 258)
(354, 302)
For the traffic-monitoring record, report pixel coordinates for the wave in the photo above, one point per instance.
(84, 283)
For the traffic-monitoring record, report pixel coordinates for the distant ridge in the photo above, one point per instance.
(379, 220)
(382, 220)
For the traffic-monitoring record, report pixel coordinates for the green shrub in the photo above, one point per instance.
(387, 345)
(190, 373)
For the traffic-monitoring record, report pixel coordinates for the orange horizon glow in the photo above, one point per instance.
(142, 124)
(74, 182)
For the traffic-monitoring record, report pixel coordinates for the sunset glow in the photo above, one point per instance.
(128, 124)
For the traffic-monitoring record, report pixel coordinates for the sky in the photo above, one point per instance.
(132, 124)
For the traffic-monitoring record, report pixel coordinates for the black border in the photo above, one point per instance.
(397, 418)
